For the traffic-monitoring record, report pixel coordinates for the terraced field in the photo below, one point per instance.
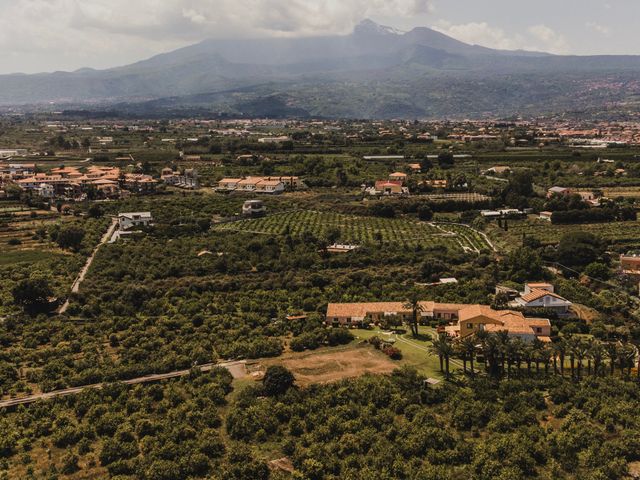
(17, 231)
(364, 230)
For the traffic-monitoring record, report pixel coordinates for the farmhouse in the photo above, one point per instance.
(187, 180)
(475, 318)
(562, 191)
(388, 187)
(398, 177)
(341, 248)
(259, 184)
(630, 264)
(134, 219)
(542, 295)
(12, 152)
(270, 186)
(546, 216)
(465, 319)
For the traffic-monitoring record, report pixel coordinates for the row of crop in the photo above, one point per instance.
(352, 229)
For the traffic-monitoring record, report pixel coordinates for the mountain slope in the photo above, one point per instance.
(375, 71)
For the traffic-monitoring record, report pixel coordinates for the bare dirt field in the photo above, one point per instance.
(332, 365)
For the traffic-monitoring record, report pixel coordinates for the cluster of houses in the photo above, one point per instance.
(396, 184)
(71, 183)
(272, 185)
(587, 196)
(188, 179)
(11, 172)
(463, 319)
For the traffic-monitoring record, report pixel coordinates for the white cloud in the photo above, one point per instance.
(534, 38)
(549, 39)
(37, 35)
(601, 29)
(479, 34)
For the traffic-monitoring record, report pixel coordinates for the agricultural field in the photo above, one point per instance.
(625, 192)
(457, 197)
(626, 234)
(21, 229)
(364, 230)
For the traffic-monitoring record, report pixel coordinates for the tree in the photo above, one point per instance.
(611, 351)
(277, 380)
(597, 270)
(70, 238)
(413, 303)
(95, 211)
(468, 350)
(445, 160)
(425, 213)
(579, 248)
(559, 353)
(596, 354)
(32, 293)
(442, 347)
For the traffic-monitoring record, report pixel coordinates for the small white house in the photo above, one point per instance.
(542, 296)
(135, 219)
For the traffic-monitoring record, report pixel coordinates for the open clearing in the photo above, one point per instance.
(328, 366)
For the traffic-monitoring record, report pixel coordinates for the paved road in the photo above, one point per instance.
(75, 288)
(237, 369)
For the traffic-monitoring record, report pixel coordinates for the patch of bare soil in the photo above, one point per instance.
(328, 366)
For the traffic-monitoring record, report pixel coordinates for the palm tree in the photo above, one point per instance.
(490, 350)
(442, 347)
(611, 351)
(571, 349)
(544, 356)
(468, 344)
(626, 359)
(581, 350)
(413, 304)
(461, 354)
(596, 353)
(502, 338)
(536, 350)
(560, 350)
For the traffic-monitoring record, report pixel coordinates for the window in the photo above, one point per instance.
(470, 326)
(538, 330)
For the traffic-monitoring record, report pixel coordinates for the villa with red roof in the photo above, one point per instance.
(464, 319)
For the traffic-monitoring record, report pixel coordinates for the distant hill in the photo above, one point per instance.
(374, 72)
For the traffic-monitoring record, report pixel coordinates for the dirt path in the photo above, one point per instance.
(75, 288)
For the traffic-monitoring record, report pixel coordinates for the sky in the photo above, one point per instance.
(50, 35)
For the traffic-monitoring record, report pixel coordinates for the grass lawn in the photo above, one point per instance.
(415, 352)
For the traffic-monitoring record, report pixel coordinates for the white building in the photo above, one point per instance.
(135, 219)
(541, 295)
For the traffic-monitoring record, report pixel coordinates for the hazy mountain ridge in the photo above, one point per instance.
(375, 71)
